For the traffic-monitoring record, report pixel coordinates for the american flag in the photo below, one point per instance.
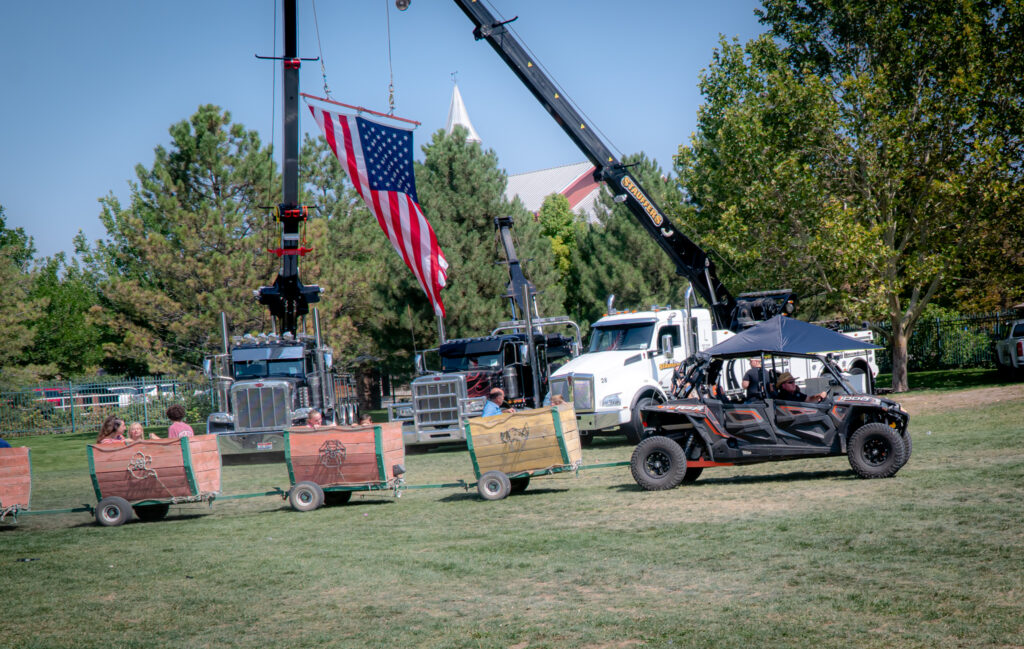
(378, 159)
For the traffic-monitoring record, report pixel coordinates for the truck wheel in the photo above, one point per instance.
(306, 496)
(658, 463)
(634, 430)
(875, 451)
(113, 511)
(519, 484)
(152, 512)
(494, 485)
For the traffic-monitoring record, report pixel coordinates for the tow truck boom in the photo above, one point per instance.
(691, 261)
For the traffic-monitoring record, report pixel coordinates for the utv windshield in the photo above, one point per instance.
(470, 363)
(621, 336)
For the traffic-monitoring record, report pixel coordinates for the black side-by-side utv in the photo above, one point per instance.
(706, 427)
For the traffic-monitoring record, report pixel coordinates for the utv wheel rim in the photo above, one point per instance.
(876, 451)
(658, 463)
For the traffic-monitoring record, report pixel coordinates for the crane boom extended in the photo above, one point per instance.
(691, 261)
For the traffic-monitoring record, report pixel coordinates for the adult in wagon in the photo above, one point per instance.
(492, 407)
(788, 390)
(365, 420)
(111, 430)
(178, 427)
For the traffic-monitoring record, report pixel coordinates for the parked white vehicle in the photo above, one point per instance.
(1009, 349)
(632, 356)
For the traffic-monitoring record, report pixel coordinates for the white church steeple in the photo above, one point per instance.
(457, 115)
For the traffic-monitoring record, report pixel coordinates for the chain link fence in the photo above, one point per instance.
(71, 407)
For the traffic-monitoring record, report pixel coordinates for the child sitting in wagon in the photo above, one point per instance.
(178, 427)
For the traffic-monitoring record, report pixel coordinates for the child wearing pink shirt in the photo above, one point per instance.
(178, 427)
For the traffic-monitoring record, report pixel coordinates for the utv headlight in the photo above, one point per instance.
(612, 401)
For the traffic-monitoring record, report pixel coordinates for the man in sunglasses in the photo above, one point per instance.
(788, 390)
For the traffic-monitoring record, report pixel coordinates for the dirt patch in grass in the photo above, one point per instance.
(923, 402)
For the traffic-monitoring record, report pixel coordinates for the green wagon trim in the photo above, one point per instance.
(190, 472)
(472, 452)
(556, 418)
(288, 456)
(92, 473)
(378, 449)
(29, 505)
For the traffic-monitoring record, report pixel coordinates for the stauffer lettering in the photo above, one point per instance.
(631, 187)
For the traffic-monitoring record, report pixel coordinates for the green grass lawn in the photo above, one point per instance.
(798, 554)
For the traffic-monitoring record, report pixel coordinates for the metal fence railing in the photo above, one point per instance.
(69, 406)
(946, 343)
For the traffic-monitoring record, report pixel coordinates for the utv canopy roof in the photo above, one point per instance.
(784, 335)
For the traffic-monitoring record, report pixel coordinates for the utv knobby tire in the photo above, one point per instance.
(634, 430)
(306, 496)
(113, 511)
(875, 451)
(658, 463)
(692, 473)
(908, 447)
(152, 512)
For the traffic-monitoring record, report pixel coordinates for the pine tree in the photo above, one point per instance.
(191, 243)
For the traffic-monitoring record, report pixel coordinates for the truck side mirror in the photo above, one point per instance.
(666, 346)
(574, 349)
(208, 367)
(420, 363)
(328, 360)
(524, 353)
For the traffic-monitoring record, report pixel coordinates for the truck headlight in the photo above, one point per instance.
(612, 401)
(475, 405)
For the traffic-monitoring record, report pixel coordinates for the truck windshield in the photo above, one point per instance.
(623, 336)
(261, 368)
(470, 363)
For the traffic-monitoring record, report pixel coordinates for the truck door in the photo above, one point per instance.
(666, 366)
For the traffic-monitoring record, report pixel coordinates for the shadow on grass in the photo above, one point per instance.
(752, 479)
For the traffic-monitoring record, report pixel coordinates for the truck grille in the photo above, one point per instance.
(436, 401)
(261, 408)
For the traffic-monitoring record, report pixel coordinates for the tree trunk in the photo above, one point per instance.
(900, 338)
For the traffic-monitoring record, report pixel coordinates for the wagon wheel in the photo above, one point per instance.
(494, 485)
(152, 512)
(332, 498)
(306, 496)
(113, 511)
(519, 484)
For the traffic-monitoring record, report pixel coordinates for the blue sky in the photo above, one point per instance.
(91, 88)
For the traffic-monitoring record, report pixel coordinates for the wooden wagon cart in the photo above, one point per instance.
(340, 460)
(508, 449)
(15, 482)
(149, 476)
